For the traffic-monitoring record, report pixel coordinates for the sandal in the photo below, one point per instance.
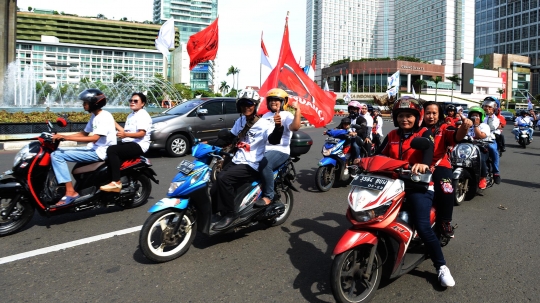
(261, 203)
(66, 200)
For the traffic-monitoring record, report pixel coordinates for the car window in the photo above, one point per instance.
(230, 107)
(214, 108)
(183, 108)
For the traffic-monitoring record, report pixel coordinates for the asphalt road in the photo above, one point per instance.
(494, 257)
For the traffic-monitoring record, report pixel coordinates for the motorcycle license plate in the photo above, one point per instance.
(369, 182)
(186, 166)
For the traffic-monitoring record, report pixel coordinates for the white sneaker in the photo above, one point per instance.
(445, 278)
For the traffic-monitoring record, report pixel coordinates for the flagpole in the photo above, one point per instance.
(260, 75)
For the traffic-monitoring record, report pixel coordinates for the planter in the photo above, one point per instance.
(37, 128)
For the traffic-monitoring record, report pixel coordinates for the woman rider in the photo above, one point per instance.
(408, 114)
(444, 137)
(451, 113)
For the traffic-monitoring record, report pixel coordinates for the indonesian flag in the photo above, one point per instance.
(165, 39)
(264, 55)
(203, 46)
(310, 69)
(317, 105)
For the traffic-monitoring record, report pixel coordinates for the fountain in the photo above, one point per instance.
(23, 92)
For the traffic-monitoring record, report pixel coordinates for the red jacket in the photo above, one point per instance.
(396, 146)
(443, 137)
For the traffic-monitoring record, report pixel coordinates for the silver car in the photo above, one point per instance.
(206, 116)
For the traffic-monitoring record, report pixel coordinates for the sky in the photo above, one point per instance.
(240, 25)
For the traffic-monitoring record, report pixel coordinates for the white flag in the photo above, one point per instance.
(326, 88)
(165, 38)
(393, 84)
(413, 92)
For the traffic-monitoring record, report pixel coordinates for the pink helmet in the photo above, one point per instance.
(354, 104)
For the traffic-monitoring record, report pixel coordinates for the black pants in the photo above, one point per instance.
(121, 151)
(444, 193)
(227, 181)
(500, 140)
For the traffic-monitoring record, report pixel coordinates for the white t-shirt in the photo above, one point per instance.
(286, 120)
(484, 128)
(523, 120)
(369, 120)
(136, 121)
(251, 148)
(379, 126)
(102, 125)
(493, 122)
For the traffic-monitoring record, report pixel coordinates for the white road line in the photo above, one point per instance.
(58, 247)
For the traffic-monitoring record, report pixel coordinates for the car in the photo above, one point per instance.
(205, 116)
(508, 116)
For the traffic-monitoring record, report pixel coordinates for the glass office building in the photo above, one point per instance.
(190, 17)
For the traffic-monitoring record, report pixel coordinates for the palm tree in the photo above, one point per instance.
(224, 87)
(237, 72)
(420, 83)
(455, 80)
(232, 71)
(436, 79)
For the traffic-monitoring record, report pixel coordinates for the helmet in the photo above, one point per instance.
(489, 101)
(477, 109)
(522, 113)
(249, 97)
(279, 94)
(346, 121)
(354, 104)
(94, 97)
(495, 99)
(408, 104)
(451, 107)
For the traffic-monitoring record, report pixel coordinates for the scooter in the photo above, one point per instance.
(524, 138)
(174, 221)
(466, 165)
(382, 242)
(31, 184)
(333, 165)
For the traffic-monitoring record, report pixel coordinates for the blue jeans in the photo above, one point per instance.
(271, 161)
(420, 205)
(516, 132)
(61, 156)
(494, 154)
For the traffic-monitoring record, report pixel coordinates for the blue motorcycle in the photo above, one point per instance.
(333, 166)
(174, 221)
(522, 131)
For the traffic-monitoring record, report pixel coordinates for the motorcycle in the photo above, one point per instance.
(524, 138)
(466, 166)
(381, 243)
(174, 221)
(336, 156)
(31, 184)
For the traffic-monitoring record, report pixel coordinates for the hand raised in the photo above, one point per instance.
(277, 118)
(467, 123)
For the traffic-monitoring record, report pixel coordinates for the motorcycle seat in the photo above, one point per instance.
(81, 168)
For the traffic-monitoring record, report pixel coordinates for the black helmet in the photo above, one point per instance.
(346, 121)
(450, 107)
(522, 113)
(94, 97)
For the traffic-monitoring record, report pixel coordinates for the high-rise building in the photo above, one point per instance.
(511, 27)
(190, 17)
(338, 29)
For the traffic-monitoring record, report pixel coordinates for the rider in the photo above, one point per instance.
(102, 127)
(445, 137)
(377, 131)
(364, 113)
(358, 122)
(451, 112)
(523, 119)
(493, 122)
(479, 131)
(408, 115)
(251, 133)
(353, 131)
(276, 155)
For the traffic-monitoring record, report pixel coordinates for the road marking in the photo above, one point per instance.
(58, 247)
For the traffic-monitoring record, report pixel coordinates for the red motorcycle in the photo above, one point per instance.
(31, 184)
(381, 242)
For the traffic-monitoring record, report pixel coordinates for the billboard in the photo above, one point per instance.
(200, 68)
(467, 78)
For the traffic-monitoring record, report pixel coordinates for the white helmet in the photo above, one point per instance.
(247, 96)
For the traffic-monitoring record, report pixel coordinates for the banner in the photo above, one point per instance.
(317, 105)
(203, 46)
(165, 39)
(393, 84)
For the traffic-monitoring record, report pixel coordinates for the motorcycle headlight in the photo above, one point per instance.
(326, 152)
(158, 126)
(463, 151)
(23, 154)
(368, 215)
(174, 186)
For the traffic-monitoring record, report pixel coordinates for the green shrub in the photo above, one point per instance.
(39, 117)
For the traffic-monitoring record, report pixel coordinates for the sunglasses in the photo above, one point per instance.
(133, 101)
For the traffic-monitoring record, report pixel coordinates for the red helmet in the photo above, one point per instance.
(408, 104)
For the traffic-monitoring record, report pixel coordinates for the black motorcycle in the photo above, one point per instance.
(31, 184)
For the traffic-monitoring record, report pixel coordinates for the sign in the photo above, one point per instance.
(201, 68)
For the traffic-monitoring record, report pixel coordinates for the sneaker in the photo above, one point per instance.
(497, 178)
(483, 183)
(446, 229)
(445, 278)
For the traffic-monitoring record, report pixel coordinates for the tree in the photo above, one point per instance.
(455, 80)
(232, 71)
(29, 8)
(224, 87)
(420, 83)
(237, 72)
(124, 19)
(101, 16)
(436, 79)
(184, 91)
(340, 101)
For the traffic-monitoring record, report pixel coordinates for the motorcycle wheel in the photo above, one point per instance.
(462, 193)
(522, 142)
(347, 281)
(324, 178)
(157, 241)
(287, 199)
(143, 191)
(24, 210)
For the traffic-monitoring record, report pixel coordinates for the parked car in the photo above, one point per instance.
(206, 116)
(508, 116)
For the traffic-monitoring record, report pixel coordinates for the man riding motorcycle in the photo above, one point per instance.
(489, 106)
(359, 121)
(524, 119)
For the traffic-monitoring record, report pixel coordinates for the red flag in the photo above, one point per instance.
(203, 45)
(317, 105)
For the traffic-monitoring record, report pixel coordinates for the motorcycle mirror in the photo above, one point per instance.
(420, 143)
(61, 121)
